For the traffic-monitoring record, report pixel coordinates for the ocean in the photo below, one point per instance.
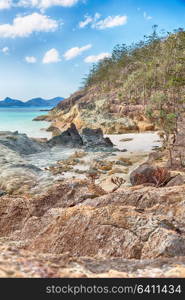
(21, 119)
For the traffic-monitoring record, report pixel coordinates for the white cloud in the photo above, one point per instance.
(44, 4)
(97, 16)
(26, 25)
(110, 22)
(5, 4)
(51, 56)
(31, 59)
(88, 20)
(146, 16)
(76, 51)
(96, 58)
(5, 50)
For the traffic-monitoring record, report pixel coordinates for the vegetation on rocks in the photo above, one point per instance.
(150, 73)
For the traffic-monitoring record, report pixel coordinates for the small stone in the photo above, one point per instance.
(175, 181)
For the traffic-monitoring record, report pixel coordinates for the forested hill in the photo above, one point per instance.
(148, 76)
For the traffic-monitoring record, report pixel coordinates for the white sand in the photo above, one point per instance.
(142, 142)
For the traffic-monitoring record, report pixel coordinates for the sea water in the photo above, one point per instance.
(21, 120)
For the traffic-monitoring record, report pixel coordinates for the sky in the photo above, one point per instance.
(48, 46)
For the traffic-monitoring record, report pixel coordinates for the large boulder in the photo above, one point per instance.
(112, 231)
(17, 175)
(94, 138)
(143, 174)
(20, 143)
(69, 138)
(91, 138)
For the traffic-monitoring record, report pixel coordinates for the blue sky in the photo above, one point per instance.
(47, 46)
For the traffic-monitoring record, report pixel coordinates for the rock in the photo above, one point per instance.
(126, 140)
(113, 231)
(13, 212)
(154, 156)
(145, 126)
(68, 138)
(143, 174)
(177, 180)
(118, 125)
(26, 264)
(78, 171)
(117, 170)
(176, 272)
(2, 193)
(40, 140)
(162, 242)
(55, 131)
(123, 161)
(139, 232)
(26, 166)
(42, 118)
(21, 143)
(94, 138)
(17, 180)
(78, 154)
(103, 165)
(120, 163)
(16, 174)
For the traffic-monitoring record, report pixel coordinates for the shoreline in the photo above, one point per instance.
(20, 119)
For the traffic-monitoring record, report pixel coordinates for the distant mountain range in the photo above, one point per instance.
(35, 102)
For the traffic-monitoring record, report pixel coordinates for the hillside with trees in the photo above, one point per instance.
(151, 73)
(139, 88)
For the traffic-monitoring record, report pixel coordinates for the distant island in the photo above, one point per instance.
(38, 102)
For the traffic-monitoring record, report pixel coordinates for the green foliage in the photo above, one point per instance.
(150, 72)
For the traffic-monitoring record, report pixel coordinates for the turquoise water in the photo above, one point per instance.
(20, 119)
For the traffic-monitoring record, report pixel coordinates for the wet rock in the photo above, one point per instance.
(94, 138)
(68, 138)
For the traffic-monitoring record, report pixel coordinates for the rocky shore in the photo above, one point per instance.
(82, 205)
(94, 108)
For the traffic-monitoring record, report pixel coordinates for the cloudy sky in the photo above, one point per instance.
(47, 46)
